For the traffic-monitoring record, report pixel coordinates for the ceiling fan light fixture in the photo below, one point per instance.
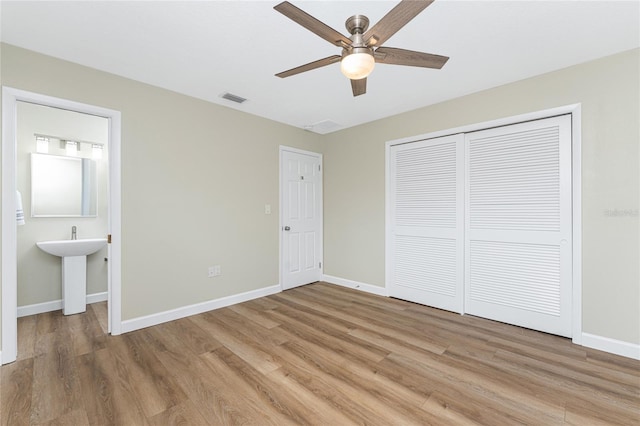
(358, 64)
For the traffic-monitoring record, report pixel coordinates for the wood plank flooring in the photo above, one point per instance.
(319, 354)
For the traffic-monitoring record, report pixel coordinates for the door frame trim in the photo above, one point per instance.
(575, 110)
(10, 97)
(281, 150)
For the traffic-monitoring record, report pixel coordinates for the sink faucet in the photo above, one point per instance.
(73, 233)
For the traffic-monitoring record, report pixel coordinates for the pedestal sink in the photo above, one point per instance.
(74, 269)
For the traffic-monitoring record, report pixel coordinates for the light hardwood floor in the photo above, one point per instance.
(318, 354)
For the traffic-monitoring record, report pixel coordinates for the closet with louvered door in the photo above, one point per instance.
(481, 222)
(518, 243)
(426, 220)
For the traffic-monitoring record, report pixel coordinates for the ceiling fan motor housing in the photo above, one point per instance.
(363, 49)
(357, 24)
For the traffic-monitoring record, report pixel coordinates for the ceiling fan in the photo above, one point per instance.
(363, 48)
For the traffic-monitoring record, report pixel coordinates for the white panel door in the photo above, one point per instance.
(301, 218)
(426, 222)
(518, 224)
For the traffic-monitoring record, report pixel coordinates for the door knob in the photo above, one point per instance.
(286, 228)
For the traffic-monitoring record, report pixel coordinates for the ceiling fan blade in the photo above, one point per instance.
(359, 87)
(395, 56)
(310, 66)
(397, 18)
(312, 24)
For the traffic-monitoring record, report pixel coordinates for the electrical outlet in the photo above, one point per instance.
(267, 209)
(214, 271)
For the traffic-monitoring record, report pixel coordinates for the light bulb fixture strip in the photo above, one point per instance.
(65, 139)
(71, 146)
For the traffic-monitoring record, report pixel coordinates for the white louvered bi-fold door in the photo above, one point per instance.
(518, 224)
(426, 222)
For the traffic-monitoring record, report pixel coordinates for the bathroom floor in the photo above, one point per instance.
(317, 354)
(100, 311)
(86, 332)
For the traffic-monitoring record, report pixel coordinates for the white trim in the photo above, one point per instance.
(552, 112)
(300, 151)
(281, 149)
(97, 297)
(280, 226)
(576, 157)
(613, 346)
(387, 217)
(576, 232)
(10, 97)
(56, 305)
(343, 282)
(198, 308)
(9, 344)
(114, 271)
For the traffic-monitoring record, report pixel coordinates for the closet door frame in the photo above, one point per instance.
(576, 188)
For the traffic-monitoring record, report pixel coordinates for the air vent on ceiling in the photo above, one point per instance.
(233, 98)
(323, 127)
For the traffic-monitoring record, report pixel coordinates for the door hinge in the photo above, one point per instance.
(319, 264)
(319, 167)
(109, 239)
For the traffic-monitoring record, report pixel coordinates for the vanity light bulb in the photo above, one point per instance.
(42, 145)
(96, 151)
(72, 149)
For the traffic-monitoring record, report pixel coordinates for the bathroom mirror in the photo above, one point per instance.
(63, 186)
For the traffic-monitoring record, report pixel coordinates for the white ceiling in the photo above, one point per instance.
(206, 48)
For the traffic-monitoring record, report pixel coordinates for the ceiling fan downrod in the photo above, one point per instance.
(357, 25)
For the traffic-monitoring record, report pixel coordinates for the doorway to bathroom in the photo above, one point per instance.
(62, 157)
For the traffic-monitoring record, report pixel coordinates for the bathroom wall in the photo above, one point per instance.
(39, 273)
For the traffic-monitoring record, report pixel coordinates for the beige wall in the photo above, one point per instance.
(195, 179)
(196, 176)
(39, 273)
(609, 92)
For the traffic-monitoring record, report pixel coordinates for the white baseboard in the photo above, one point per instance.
(373, 289)
(56, 305)
(198, 308)
(618, 347)
(97, 297)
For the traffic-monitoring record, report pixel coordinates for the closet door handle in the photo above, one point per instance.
(286, 228)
